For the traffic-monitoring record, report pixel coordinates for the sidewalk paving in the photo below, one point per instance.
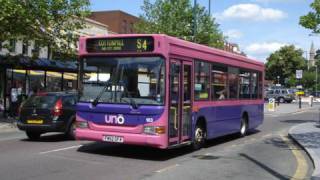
(307, 135)
(285, 108)
(7, 124)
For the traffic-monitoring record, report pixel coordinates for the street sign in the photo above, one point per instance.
(299, 74)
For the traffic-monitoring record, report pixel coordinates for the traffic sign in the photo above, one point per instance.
(299, 74)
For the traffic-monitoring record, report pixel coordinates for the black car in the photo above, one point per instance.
(48, 112)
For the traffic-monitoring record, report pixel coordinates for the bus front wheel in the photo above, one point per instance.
(200, 135)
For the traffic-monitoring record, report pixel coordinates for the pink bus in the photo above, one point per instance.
(164, 92)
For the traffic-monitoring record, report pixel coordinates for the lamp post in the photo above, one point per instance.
(209, 7)
(316, 93)
(194, 19)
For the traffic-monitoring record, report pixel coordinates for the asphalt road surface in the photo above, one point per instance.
(267, 153)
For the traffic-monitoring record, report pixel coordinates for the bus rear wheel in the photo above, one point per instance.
(244, 126)
(200, 136)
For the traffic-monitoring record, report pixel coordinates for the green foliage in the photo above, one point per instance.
(284, 63)
(312, 19)
(308, 79)
(49, 22)
(176, 18)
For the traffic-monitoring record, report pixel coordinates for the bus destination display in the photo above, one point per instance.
(131, 44)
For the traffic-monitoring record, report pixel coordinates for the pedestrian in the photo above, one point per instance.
(14, 100)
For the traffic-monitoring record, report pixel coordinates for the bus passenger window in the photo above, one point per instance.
(233, 74)
(219, 82)
(244, 81)
(201, 86)
(254, 86)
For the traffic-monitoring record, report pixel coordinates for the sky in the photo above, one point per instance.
(259, 27)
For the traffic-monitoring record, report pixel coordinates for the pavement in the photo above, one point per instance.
(307, 135)
(7, 124)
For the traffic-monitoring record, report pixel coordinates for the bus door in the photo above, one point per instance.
(180, 101)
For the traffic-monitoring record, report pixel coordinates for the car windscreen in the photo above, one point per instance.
(41, 101)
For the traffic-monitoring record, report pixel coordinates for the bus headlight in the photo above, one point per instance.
(154, 130)
(82, 124)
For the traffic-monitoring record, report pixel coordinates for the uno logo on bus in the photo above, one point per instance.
(114, 119)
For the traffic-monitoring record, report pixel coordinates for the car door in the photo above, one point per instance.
(69, 104)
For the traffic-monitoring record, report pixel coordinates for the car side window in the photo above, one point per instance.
(69, 101)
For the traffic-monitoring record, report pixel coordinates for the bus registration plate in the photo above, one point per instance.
(116, 139)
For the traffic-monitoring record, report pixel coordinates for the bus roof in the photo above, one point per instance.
(186, 44)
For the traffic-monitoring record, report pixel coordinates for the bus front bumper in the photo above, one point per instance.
(157, 141)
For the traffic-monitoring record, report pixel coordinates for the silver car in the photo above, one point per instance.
(281, 95)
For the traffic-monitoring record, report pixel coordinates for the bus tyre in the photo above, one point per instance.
(200, 135)
(33, 135)
(244, 126)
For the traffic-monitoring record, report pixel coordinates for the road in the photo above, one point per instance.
(266, 153)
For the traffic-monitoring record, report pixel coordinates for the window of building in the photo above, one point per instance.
(219, 74)
(131, 27)
(244, 81)
(35, 81)
(54, 81)
(69, 81)
(12, 45)
(124, 26)
(25, 46)
(254, 85)
(36, 49)
(233, 76)
(202, 76)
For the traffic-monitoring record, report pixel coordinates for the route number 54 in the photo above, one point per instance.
(142, 44)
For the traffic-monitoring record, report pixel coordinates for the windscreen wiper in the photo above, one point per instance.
(132, 102)
(96, 100)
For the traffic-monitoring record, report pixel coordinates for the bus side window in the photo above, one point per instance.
(254, 85)
(201, 86)
(219, 74)
(244, 81)
(233, 76)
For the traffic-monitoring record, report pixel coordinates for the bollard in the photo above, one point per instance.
(319, 119)
(299, 101)
(311, 101)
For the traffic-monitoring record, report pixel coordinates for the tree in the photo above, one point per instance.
(48, 22)
(176, 18)
(284, 63)
(312, 19)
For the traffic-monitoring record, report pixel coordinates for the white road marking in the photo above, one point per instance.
(61, 149)
(167, 168)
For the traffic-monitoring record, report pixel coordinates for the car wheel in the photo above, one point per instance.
(71, 130)
(244, 126)
(200, 136)
(33, 135)
(281, 100)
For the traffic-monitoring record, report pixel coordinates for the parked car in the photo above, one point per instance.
(315, 94)
(48, 112)
(281, 95)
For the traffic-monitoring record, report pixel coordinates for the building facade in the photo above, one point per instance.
(20, 47)
(19, 70)
(118, 21)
